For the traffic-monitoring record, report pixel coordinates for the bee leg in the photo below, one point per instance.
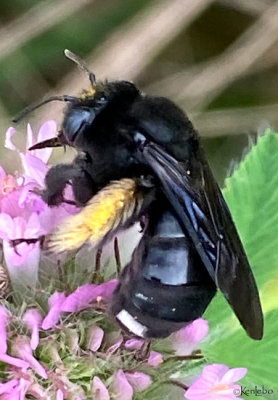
(196, 355)
(176, 383)
(56, 180)
(143, 223)
(146, 348)
(143, 353)
(117, 256)
(98, 260)
(83, 188)
(5, 285)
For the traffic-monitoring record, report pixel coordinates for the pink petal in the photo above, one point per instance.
(37, 391)
(59, 395)
(234, 375)
(2, 174)
(194, 393)
(55, 309)
(24, 255)
(200, 390)
(8, 139)
(22, 348)
(14, 395)
(51, 217)
(99, 391)
(80, 298)
(33, 227)
(6, 226)
(17, 256)
(48, 130)
(17, 362)
(3, 334)
(30, 200)
(107, 288)
(114, 347)
(228, 393)
(214, 372)
(210, 384)
(138, 380)
(33, 320)
(30, 137)
(8, 386)
(155, 359)
(95, 336)
(35, 338)
(23, 387)
(22, 266)
(134, 344)
(121, 388)
(19, 227)
(34, 168)
(187, 339)
(10, 205)
(85, 294)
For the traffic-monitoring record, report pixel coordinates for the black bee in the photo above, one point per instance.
(140, 157)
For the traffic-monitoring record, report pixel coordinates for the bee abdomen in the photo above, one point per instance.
(170, 256)
(166, 285)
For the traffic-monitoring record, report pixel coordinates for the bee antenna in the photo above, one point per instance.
(81, 64)
(31, 108)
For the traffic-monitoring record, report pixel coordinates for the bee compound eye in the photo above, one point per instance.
(76, 121)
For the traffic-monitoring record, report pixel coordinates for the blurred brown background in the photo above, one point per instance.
(217, 59)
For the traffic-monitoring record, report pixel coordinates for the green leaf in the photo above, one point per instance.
(252, 195)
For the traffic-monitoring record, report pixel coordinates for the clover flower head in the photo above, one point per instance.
(23, 214)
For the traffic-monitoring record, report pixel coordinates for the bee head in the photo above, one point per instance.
(100, 103)
(83, 110)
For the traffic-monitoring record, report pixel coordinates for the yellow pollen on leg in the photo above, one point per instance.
(102, 214)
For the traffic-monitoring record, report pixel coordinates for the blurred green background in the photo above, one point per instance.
(216, 59)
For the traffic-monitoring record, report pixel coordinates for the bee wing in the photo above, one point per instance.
(205, 216)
